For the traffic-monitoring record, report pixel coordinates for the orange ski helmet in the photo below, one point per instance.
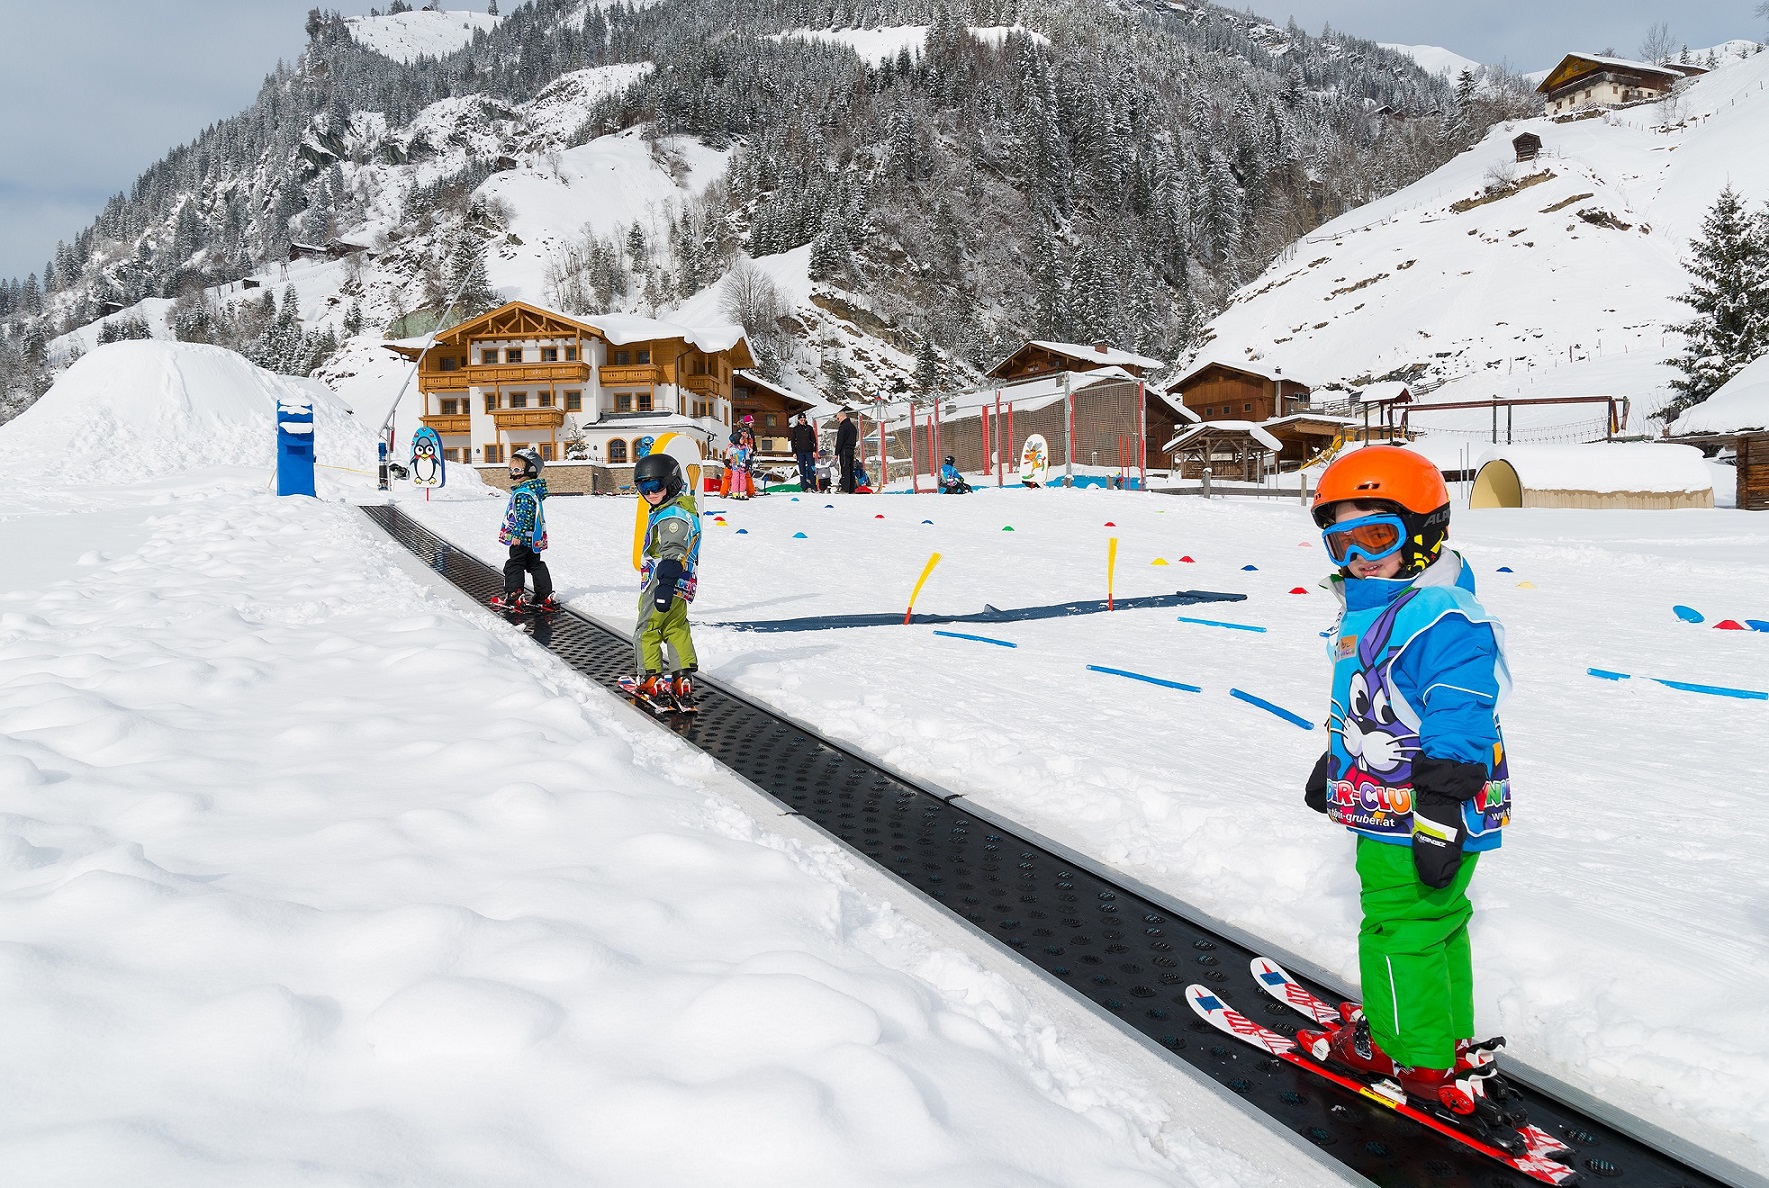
(1406, 482)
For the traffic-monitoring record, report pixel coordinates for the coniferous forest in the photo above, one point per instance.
(1117, 177)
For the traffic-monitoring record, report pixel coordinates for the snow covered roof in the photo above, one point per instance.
(751, 377)
(1601, 466)
(1313, 418)
(1204, 362)
(1251, 428)
(1569, 69)
(1386, 392)
(1741, 403)
(621, 329)
(1104, 356)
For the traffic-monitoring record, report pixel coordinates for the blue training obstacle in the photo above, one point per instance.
(1000, 643)
(1268, 707)
(988, 614)
(1687, 613)
(1684, 686)
(1138, 676)
(1230, 626)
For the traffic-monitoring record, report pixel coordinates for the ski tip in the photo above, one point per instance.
(1268, 972)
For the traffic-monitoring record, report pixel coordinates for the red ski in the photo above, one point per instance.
(1535, 1162)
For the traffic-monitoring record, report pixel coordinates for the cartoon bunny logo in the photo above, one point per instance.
(1372, 784)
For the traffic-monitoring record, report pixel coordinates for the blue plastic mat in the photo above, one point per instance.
(988, 614)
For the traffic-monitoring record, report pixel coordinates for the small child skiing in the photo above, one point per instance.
(671, 557)
(742, 455)
(1416, 769)
(525, 531)
(952, 480)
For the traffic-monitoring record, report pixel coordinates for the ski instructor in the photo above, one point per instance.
(1416, 770)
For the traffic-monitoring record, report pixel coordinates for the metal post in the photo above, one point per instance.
(1068, 430)
(1507, 424)
(884, 459)
(914, 471)
(939, 454)
(983, 428)
(1206, 476)
(1495, 422)
(1142, 437)
(1015, 463)
(1304, 475)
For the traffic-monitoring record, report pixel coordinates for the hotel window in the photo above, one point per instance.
(518, 399)
(491, 402)
(450, 454)
(620, 358)
(494, 453)
(771, 420)
(544, 399)
(549, 354)
(644, 356)
(451, 407)
(513, 355)
(623, 402)
(1246, 408)
(447, 363)
(574, 402)
(488, 356)
(571, 354)
(546, 451)
(644, 402)
(617, 450)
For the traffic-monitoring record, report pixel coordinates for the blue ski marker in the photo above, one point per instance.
(1604, 674)
(1269, 708)
(1000, 643)
(1230, 626)
(1137, 676)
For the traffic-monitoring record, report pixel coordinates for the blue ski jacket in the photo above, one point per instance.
(524, 521)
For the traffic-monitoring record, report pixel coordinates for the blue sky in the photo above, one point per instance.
(97, 90)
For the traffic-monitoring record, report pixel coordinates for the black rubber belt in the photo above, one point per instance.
(1128, 955)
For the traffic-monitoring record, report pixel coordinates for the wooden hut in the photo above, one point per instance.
(1239, 392)
(1230, 449)
(1527, 146)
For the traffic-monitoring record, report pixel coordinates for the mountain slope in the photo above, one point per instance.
(1558, 281)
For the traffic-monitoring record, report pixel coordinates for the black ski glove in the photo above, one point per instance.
(1314, 793)
(1440, 787)
(668, 573)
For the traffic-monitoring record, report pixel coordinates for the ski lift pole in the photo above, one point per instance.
(385, 433)
(1068, 431)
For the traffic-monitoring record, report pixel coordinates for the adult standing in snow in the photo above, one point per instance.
(847, 440)
(804, 448)
(1416, 770)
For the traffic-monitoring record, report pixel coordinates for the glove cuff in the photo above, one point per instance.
(1449, 778)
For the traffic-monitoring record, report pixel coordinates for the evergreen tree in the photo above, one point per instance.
(1730, 299)
(466, 273)
(927, 367)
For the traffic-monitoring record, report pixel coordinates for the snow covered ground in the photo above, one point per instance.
(1437, 60)
(408, 36)
(1632, 865)
(313, 875)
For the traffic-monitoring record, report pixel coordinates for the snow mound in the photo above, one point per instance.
(1609, 467)
(408, 36)
(1741, 403)
(1434, 59)
(143, 409)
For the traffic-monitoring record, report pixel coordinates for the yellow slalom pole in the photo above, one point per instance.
(919, 583)
(1111, 570)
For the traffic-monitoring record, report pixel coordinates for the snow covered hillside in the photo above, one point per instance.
(1201, 794)
(1550, 278)
(1437, 59)
(406, 36)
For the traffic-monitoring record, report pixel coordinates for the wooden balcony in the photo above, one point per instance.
(528, 418)
(448, 423)
(630, 376)
(704, 385)
(486, 375)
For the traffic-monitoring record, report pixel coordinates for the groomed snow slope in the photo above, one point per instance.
(408, 36)
(148, 408)
(1520, 296)
(1435, 59)
(1632, 865)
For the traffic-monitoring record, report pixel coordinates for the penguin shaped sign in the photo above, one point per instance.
(428, 468)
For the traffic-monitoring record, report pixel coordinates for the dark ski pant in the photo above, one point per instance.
(807, 472)
(525, 560)
(847, 461)
(1413, 956)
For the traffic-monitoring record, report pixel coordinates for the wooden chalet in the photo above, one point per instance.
(1231, 392)
(522, 376)
(1052, 358)
(1594, 80)
(773, 408)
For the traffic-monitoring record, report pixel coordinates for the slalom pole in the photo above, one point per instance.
(1111, 570)
(919, 583)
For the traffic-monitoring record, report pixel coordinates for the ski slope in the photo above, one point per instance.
(408, 36)
(1561, 287)
(1435, 59)
(1619, 784)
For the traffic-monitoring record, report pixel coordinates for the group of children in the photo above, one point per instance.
(1415, 765)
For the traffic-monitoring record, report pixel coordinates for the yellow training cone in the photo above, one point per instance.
(1526, 585)
(1158, 561)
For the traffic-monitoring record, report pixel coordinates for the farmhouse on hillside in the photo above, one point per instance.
(1053, 358)
(607, 386)
(1593, 80)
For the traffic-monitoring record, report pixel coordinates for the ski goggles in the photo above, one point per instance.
(652, 486)
(1369, 538)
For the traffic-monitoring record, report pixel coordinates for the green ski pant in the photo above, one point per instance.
(658, 628)
(1413, 956)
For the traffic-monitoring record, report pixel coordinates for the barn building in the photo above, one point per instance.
(1593, 80)
(1238, 392)
(1036, 359)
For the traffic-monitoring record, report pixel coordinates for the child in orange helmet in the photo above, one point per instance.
(1416, 770)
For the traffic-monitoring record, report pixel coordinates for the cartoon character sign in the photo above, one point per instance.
(428, 467)
(1034, 461)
